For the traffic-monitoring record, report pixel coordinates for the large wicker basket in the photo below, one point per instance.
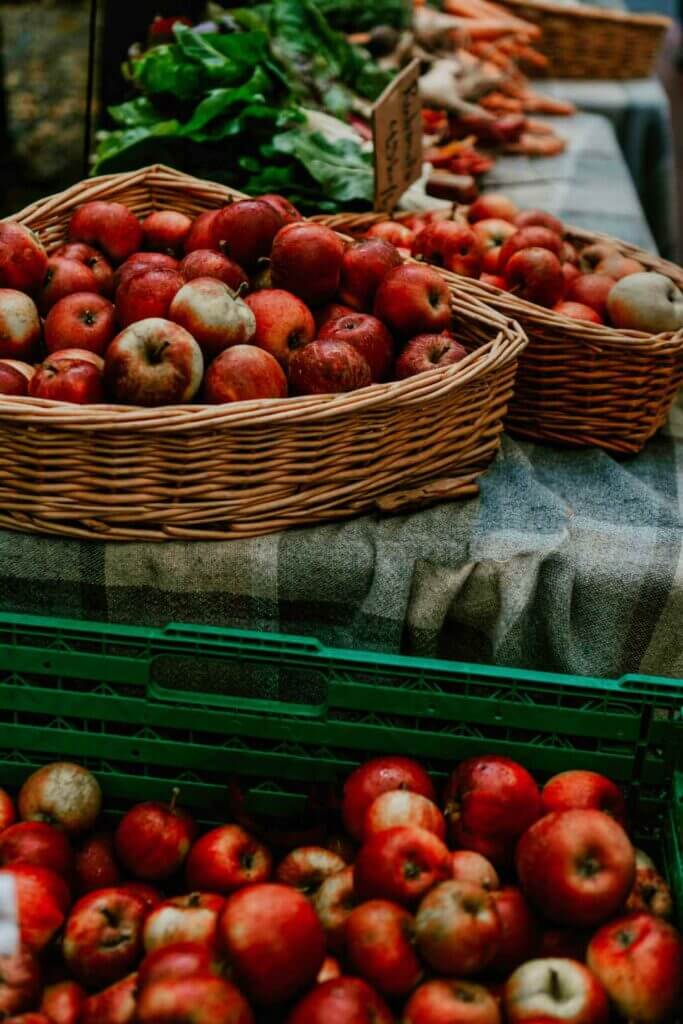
(239, 470)
(579, 383)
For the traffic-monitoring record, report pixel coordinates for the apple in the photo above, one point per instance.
(273, 940)
(95, 865)
(570, 272)
(8, 811)
(491, 205)
(646, 302)
(426, 352)
(153, 839)
(149, 293)
(368, 336)
(341, 1001)
(64, 277)
(451, 1002)
(62, 1003)
(283, 323)
(330, 312)
(245, 230)
(617, 266)
(365, 264)
(400, 864)
(450, 245)
(213, 314)
(114, 1005)
(639, 960)
(83, 320)
(568, 253)
(380, 775)
(330, 969)
(287, 210)
(306, 259)
(208, 263)
(495, 280)
(528, 238)
(491, 235)
(379, 947)
(583, 789)
(200, 235)
(414, 300)
(564, 942)
(12, 381)
(555, 990)
(166, 231)
(35, 842)
(539, 218)
(327, 366)
(62, 794)
(67, 380)
(468, 866)
(94, 260)
(23, 260)
(178, 960)
(20, 978)
(227, 858)
(577, 866)
(307, 867)
(519, 931)
(535, 275)
(103, 936)
(578, 311)
(141, 261)
(110, 227)
(399, 235)
(591, 290)
(243, 373)
(189, 918)
(80, 355)
(42, 901)
(401, 807)
(596, 253)
(490, 801)
(20, 329)
(201, 999)
(458, 929)
(150, 896)
(650, 894)
(153, 362)
(333, 902)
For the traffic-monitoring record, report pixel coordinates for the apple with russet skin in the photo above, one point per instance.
(426, 352)
(307, 867)
(166, 231)
(617, 266)
(245, 230)
(650, 894)
(469, 866)
(495, 280)
(153, 839)
(20, 978)
(519, 931)
(567, 943)
(200, 235)
(379, 947)
(554, 989)
(103, 936)
(639, 961)
(116, 1004)
(192, 917)
(491, 236)
(326, 367)
(201, 999)
(578, 311)
(450, 245)
(95, 864)
(364, 266)
(227, 858)
(43, 899)
(591, 290)
(369, 337)
(491, 205)
(8, 812)
(81, 355)
(333, 902)
(153, 362)
(94, 260)
(400, 864)
(528, 238)
(67, 380)
(539, 218)
(342, 1000)
(401, 807)
(646, 302)
(287, 210)
(214, 315)
(177, 960)
(330, 969)
(62, 794)
(83, 320)
(592, 255)
(273, 941)
(306, 259)
(570, 272)
(20, 328)
(457, 929)
(414, 300)
(23, 260)
(149, 293)
(377, 776)
(329, 313)
(243, 373)
(35, 842)
(399, 235)
(111, 227)
(64, 277)
(209, 263)
(141, 261)
(535, 275)
(62, 1003)
(583, 789)
(13, 381)
(577, 866)
(283, 323)
(446, 1001)
(490, 801)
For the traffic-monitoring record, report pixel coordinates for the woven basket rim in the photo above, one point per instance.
(590, 13)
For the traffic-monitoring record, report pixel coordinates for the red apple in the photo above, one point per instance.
(364, 266)
(519, 931)
(569, 272)
(12, 381)
(491, 236)
(576, 866)
(639, 960)
(426, 352)
(566, 943)
(369, 337)
(577, 311)
(287, 210)
(307, 867)
(495, 280)
(458, 929)
(19, 325)
(451, 1002)
(401, 807)
(468, 866)
(114, 1005)
(582, 789)
(568, 253)
(179, 960)
(243, 373)
(450, 245)
(153, 839)
(141, 261)
(399, 235)
(62, 1003)
(491, 205)
(103, 936)
(380, 775)
(201, 233)
(341, 1001)
(226, 859)
(83, 320)
(379, 947)
(555, 990)
(199, 1000)
(591, 290)
(617, 266)
(245, 230)
(149, 293)
(95, 865)
(330, 312)
(209, 263)
(400, 864)
(166, 231)
(283, 323)
(273, 940)
(67, 380)
(42, 901)
(539, 218)
(190, 918)
(19, 981)
(414, 300)
(34, 842)
(535, 275)
(64, 277)
(329, 970)
(80, 355)
(306, 259)
(529, 238)
(328, 367)
(110, 227)
(213, 314)
(8, 812)
(333, 902)
(490, 801)
(150, 896)
(23, 260)
(94, 260)
(153, 362)
(650, 894)
(596, 253)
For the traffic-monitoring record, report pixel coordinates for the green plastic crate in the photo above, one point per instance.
(147, 709)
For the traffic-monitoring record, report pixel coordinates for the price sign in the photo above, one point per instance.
(397, 138)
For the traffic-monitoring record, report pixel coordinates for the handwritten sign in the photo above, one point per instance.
(397, 137)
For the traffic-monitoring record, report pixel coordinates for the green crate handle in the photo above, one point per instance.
(259, 705)
(226, 637)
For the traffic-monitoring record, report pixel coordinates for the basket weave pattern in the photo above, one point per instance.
(250, 468)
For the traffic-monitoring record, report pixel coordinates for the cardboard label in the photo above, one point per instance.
(397, 138)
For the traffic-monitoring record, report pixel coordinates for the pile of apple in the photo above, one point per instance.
(245, 302)
(505, 903)
(526, 253)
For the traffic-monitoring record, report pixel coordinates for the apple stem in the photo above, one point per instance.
(244, 287)
(174, 797)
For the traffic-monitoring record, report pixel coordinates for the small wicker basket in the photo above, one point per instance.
(579, 383)
(249, 468)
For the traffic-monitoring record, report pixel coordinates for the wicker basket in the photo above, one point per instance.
(590, 42)
(579, 383)
(240, 470)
